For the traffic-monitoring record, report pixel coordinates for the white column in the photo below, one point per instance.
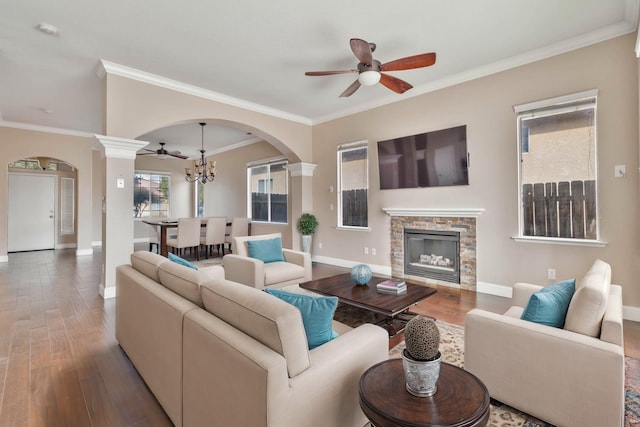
(117, 207)
(301, 196)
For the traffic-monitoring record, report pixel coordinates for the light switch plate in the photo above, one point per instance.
(620, 171)
(120, 183)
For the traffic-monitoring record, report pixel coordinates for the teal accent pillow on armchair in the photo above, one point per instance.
(266, 250)
(549, 305)
(317, 314)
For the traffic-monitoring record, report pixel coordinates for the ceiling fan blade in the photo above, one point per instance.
(410, 62)
(351, 89)
(362, 50)
(328, 73)
(178, 155)
(394, 83)
(153, 153)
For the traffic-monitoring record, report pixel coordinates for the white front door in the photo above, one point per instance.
(31, 212)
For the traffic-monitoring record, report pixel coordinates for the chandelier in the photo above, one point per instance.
(204, 172)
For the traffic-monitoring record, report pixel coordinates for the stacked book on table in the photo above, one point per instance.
(393, 287)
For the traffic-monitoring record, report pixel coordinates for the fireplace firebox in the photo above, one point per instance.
(432, 254)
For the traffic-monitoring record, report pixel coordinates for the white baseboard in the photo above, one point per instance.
(141, 240)
(65, 245)
(4, 258)
(631, 313)
(493, 289)
(83, 252)
(377, 269)
(96, 243)
(107, 293)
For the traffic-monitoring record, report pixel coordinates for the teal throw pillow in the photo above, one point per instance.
(317, 314)
(181, 261)
(266, 250)
(549, 305)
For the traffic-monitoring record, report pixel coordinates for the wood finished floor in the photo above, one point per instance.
(60, 364)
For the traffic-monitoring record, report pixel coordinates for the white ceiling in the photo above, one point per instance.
(257, 51)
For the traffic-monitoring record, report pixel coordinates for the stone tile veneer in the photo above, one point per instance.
(466, 226)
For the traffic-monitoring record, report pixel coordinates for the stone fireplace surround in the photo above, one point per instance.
(462, 220)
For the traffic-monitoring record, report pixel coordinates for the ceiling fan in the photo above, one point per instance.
(370, 70)
(162, 153)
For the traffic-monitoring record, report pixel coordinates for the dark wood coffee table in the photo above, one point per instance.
(462, 400)
(390, 307)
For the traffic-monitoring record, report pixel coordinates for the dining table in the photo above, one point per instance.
(164, 225)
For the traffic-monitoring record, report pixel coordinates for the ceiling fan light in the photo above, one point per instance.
(369, 78)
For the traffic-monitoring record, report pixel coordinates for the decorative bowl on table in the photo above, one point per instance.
(361, 274)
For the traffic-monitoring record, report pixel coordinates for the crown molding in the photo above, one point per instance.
(584, 40)
(240, 144)
(106, 67)
(47, 129)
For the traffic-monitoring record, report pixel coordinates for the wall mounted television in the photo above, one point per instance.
(430, 159)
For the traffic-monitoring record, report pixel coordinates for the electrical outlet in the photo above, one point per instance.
(366, 250)
(373, 251)
(551, 274)
(319, 245)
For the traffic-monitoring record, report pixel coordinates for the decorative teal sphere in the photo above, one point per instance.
(361, 274)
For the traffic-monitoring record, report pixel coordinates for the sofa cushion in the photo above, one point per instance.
(266, 250)
(279, 272)
(269, 320)
(175, 258)
(147, 263)
(317, 314)
(590, 301)
(549, 305)
(182, 280)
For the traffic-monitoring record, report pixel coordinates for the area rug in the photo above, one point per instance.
(452, 350)
(207, 262)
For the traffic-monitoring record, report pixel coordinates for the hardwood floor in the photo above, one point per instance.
(60, 364)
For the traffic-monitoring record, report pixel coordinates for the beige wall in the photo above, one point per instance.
(75, 150)
(486, 106)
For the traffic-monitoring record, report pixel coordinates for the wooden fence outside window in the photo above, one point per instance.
(560, 209)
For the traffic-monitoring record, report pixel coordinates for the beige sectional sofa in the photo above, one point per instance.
(218, 353)
(571, 376)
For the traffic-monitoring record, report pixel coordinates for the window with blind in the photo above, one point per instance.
(353, 185)
(558, 168)
(67, 205)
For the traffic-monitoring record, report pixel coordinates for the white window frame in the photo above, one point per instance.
(352, 146)
(268, 163)
(546, 107)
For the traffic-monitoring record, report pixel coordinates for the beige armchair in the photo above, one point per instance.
(563, 377)
(241, 268)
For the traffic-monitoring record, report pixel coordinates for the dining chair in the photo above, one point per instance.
(239, 227)
(214, 235)
(188, 236)
(154, 239)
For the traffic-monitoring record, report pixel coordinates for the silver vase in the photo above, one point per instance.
(421, 377)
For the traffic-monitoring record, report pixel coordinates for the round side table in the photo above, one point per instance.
(462, 400)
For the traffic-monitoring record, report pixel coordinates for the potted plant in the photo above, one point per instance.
(307, 226)
(421, 357)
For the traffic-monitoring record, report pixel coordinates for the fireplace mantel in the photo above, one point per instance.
(436, 212)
